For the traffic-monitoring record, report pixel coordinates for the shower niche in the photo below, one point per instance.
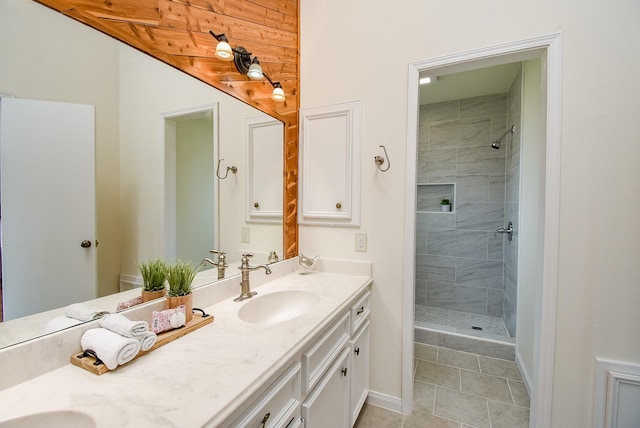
(430, 195)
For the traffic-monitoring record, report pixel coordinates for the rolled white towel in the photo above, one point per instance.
(124, 326)
(112, 348)
(81, 312)
(148, 340)
(60, 323)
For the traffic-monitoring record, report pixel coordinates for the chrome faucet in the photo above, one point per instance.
(221, 264)
(245, 288)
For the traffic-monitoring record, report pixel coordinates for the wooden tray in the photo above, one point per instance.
(89, 363)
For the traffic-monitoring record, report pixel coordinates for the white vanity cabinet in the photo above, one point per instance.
(359, 345)
(336, 399)
(328, 404)
(326, 384)
(278, 407)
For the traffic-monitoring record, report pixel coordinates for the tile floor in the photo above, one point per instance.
(456, 389)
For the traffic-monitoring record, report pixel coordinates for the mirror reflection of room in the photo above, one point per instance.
(133, 97)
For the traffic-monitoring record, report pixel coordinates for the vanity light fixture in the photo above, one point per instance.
(245, 64)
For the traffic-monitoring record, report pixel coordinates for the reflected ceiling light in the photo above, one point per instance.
(245, 64)
(425, 80)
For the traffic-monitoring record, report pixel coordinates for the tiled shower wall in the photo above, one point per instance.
(512, 204)
(459, 257)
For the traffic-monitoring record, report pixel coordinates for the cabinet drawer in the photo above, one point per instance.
(318, 358)
(281, 402)
(360, 311)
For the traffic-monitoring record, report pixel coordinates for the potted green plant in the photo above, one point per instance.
(153, 274)
(445, 204)
(180, 277)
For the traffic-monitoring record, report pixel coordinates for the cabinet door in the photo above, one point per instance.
(264, 171)
(329, 184)
(328, 404)
(359, 370)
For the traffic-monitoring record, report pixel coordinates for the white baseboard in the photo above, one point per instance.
(129, 282)
(524, 373)
(385, 401)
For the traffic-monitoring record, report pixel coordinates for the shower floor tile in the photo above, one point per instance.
(459, 322)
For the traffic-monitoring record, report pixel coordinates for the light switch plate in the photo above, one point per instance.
(244, 235)
(361, 242)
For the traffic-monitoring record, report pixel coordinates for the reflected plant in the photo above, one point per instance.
(154, 274)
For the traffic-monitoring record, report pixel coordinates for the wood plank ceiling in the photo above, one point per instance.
(177, 33)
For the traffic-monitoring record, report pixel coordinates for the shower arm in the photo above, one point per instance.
(508, 131)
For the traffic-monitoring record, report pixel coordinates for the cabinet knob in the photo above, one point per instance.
(344, 371)
(256, 205)
(356, 351)
(85, 244)
(338, 205)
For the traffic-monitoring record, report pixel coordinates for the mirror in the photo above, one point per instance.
(136, 98)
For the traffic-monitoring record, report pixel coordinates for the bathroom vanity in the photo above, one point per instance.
(296, 354)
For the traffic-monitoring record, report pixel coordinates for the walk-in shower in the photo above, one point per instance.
(497, 143)
(466, 270)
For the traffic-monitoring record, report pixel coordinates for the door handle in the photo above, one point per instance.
(85, 244)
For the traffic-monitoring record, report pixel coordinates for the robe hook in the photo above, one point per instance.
(229, 168)
(379, 160)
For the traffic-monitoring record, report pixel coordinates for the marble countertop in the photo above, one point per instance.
(201, 378)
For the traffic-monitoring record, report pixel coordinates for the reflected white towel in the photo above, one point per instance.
(148, 340)
(81, 312)
(110, 347)
(60, 323)
(124, 326)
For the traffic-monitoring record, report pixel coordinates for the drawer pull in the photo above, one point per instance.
(265, 419)
(357, 351)
(361, 310)
(344, 371)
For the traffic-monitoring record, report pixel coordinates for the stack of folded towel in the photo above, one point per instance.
(118, 340)
(80, 312)
(74, 314)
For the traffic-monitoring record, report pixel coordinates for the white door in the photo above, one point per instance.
(47, 205)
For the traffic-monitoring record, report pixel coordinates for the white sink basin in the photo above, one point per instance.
(278, 306)
(55, 419)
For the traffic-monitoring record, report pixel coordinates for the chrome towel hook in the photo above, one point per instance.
(229, 168)
(379, 160)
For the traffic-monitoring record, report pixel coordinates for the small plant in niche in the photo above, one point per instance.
(153, 274)
(445, 204)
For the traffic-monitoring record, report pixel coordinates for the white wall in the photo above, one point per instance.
(47, 56)
(361, 50)
(149, 89)
(531, 231)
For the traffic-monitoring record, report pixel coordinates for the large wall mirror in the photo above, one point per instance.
(160, 137)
